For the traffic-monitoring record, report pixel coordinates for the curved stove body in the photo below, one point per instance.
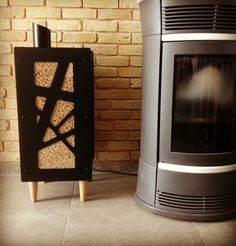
(187, 166)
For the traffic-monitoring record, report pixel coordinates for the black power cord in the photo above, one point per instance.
(115, 172)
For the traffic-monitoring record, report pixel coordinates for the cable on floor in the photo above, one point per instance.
(115, 172)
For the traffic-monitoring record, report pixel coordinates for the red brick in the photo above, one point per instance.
(99, 146)
(128, 125)
(9, 157)
(3, 92)
(6, 81)
(103, 49)
(136, 114)
(114, 14)
(102, 104)
(79, 13)
(12, 146)
(134, 135)
(113, 83)
(73, 37)
(4, 125)
(114, 156)
(135, 83)
(9, 135)
(2, 104)
(64, 3)
(8, 114)
(114, 114)
(12, 12)
(135, 155)
(111, 135)
(131, 72)
(1, 146)
(113, 61)
(126, 94)
(123, 145)
(43, 12)
(101, 94)
(104, 125)
(100, 4)
(26, 2)
(101, 72)
(126, 104)
(114, 38)
(128, 4)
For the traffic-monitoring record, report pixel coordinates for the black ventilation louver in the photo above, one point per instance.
(196, 203)
(199, 18)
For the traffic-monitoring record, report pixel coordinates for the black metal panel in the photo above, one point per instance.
(32, 131)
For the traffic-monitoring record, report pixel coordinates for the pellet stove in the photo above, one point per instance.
(187, 166)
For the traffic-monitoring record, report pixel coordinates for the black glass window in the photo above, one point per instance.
(204, 104)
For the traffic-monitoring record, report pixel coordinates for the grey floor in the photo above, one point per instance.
(109, 217)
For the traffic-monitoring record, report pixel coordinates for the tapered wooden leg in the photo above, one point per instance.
(83, 190)
(33, 186)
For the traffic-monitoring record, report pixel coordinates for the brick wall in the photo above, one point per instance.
(111, 28)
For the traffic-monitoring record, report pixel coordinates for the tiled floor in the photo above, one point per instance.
(109, 217)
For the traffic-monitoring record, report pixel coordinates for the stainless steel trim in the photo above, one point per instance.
(196, 169)
(198, 36)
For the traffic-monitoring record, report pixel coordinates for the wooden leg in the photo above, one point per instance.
(33, 186)
(83, 190)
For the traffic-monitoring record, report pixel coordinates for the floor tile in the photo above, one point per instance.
(228, 226)
(217, 233)
(111, 217)
(40, 223)
(221, 238)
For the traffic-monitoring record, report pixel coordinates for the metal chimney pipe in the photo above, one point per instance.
(41, 36)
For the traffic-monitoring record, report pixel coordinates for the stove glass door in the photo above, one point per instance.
(198, 103)
(204, 104)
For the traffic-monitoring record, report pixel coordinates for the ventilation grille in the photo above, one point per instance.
(197, 203)
(199, 17)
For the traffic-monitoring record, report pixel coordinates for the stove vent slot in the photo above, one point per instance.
(218, 18)
(197, 203)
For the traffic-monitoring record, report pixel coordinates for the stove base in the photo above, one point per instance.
(197, 193)
(204, 217)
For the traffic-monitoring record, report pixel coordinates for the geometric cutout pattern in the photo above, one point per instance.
(44, 73)
(58, 139)
(49, 134)
(40, 102)
(60, 111)
(37, 118)
(56, 155)
(68, 125)
(71, 140)
(68, 79)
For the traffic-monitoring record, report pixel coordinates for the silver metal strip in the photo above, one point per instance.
(198, 36)
(196, 169)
